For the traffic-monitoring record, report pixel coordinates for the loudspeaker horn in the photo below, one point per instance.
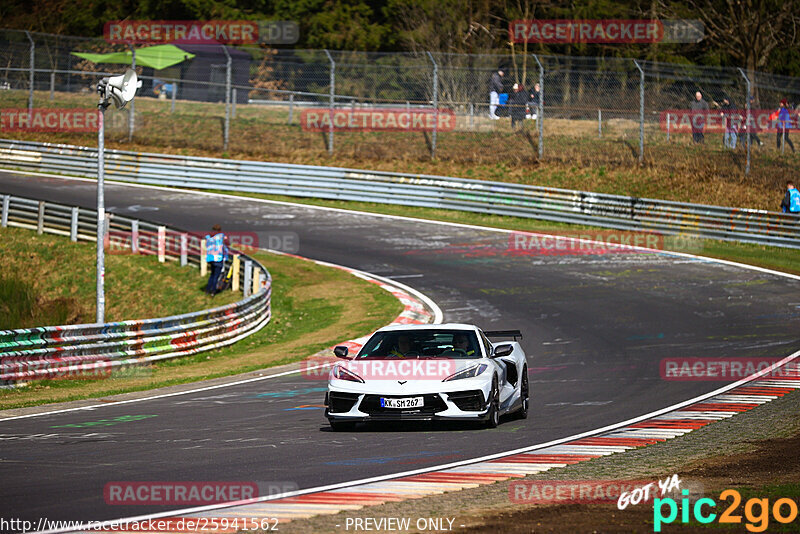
(121, 89)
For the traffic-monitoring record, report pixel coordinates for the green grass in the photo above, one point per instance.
(49, 280)
(309, 313)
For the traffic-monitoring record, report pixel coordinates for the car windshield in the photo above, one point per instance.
(455, 344)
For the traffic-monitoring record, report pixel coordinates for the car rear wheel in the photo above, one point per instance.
(493, 418)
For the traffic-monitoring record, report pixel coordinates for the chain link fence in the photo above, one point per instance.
(285, 103)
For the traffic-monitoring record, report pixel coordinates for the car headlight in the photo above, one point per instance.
(467, 373)
(344, 374)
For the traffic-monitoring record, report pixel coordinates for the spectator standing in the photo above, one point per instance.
(791, 201)
(216, 250)
(699, 112)
(533, 102)
(730, 117)
(783, 124)
(517, 103)
(495, 88)
(752, 127)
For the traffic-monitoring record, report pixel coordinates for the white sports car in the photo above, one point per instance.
(427, 372)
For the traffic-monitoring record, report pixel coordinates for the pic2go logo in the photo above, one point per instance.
(756, 511)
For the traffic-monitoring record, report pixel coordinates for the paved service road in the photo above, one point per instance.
(596, 327)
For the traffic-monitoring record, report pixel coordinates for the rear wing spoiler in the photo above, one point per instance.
(504, 333)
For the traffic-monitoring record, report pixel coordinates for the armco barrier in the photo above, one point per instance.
(560, 205)
(94, 350)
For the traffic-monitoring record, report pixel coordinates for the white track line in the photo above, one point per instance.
(645, 432)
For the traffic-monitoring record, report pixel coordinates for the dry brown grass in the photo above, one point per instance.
(574, 156)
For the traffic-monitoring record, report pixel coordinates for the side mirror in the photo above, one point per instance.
(503, 350)
(341, 351)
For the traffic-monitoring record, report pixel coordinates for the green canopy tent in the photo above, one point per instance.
(157, 57)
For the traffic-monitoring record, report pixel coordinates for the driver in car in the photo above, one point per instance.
(402, 348)
(461, 342)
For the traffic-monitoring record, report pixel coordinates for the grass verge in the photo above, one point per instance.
(308, 315)
(49, 280)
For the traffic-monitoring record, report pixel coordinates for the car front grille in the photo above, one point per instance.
(432, 403)
(468, 401)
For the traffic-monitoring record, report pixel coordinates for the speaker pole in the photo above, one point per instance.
(101, 210)
(122, 89)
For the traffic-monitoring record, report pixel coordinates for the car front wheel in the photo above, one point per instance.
(522, 413)
(493, 418)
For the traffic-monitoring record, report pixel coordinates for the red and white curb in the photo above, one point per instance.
(740, 397)
(417, 309)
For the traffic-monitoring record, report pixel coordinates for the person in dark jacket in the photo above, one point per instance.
(751, 129)
(791, 201)
(533, 101)
(731, 118)
(784, 124)
(495, 88)
(699, 112)
(517, 103)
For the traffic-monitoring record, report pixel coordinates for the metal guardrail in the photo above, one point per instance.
(479, 196)
(96, 349)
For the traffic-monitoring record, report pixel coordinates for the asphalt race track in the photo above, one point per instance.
(596, 328)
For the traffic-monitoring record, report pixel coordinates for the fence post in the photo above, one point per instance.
(291, 107)
(641, 111)
(174, 90)
(332, 101)
(73, 224)
(135, 237)
(472, 115)
(32, 58)
(226, 127)
(132, 105)
(40, 218)
(540, 117)
(162, 244)
(184, 250)
(668, 126)
(52, 85)
(236, 268)
(256, 279)
(233, 111)
(435, 105)
(599, 123)
(748, 123)
(4, 217)
(248, 272)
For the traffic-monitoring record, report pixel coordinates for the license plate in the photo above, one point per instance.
(406, 402)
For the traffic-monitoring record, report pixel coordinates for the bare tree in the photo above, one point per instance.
(749, 30)
(446, 26)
